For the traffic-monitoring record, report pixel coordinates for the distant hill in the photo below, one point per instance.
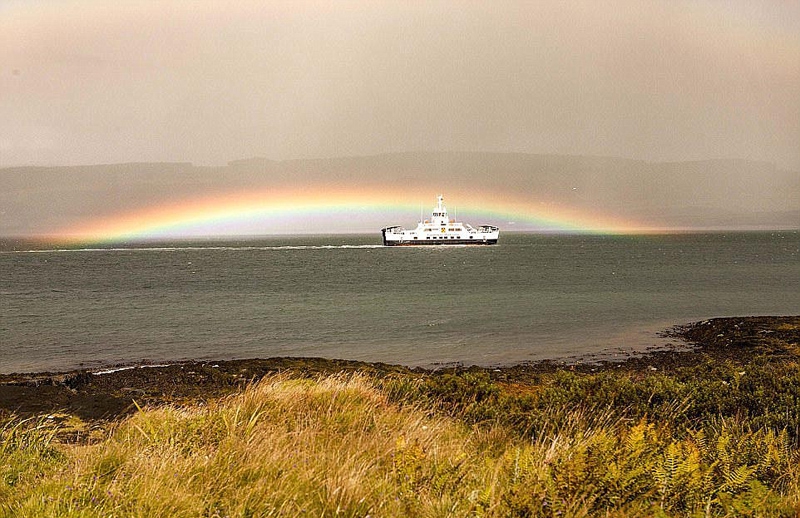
(701, 194)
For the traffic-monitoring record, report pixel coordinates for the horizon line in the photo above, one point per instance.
(74, 239)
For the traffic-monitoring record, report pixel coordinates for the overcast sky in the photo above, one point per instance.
(88, 81)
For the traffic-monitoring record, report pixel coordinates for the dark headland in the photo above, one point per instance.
(96, 397)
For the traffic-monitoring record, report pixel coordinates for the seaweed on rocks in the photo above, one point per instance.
(116, 392)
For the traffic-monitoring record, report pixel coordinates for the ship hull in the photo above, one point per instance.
(410, 240)
(441, 243)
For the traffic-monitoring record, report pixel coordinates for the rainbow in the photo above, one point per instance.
(326, 209)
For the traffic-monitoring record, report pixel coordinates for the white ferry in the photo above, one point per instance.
(441, 230)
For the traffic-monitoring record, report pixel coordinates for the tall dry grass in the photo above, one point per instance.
(354, 446)
(284, 447)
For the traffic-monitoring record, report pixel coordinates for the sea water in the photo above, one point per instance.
(531, 297)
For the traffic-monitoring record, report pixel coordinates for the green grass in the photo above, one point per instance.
(709, 440)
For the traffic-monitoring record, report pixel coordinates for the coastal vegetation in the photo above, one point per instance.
(710, 432)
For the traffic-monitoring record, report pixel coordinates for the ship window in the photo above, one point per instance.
(415, 237)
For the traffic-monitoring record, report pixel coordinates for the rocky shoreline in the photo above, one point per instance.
(114, 393)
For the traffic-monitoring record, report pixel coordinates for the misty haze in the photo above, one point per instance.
(653, 115)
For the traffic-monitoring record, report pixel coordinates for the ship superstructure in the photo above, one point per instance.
(441, 230)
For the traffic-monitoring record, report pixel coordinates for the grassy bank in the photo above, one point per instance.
(718, 436)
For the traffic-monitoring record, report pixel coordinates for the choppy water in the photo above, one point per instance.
(529, 298)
